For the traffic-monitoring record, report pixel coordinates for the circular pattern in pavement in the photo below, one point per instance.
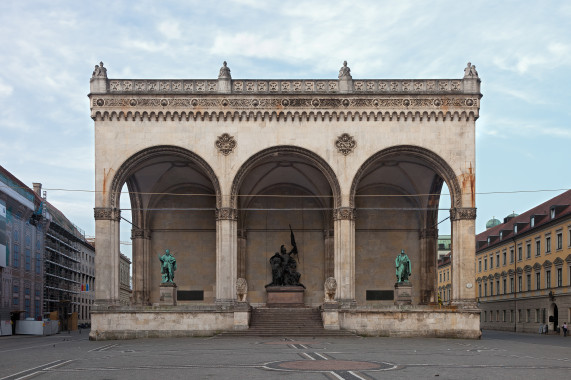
(329, 365)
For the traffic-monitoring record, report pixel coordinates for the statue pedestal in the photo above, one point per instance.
(403, 293)
(167, 294)
(285, 296)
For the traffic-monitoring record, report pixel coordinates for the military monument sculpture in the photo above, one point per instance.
(285, 287)
(168, 289)
(403, 287)
(403, 269)
(168, 266)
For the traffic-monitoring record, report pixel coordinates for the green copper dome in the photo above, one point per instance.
(492, 223)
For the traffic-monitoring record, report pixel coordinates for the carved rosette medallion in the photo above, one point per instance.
(225, 144)
(106, 213)
(226, 213)
(345, 144)
(344, 213)
(462, 213)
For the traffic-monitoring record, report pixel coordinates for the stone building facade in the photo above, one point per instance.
(125, 279)
(444, 281)
(217, 170)
(523, 269)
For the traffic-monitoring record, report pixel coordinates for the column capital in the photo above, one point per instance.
(139, 233)
(344, 213)
(427, 233)
(107, 213)
(226, 213)
(462, 213)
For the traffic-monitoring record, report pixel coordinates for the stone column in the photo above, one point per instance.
(242, 254)
(463, 256)
(141, 276)
(428, 252)
(344, 224)
(329, 243)
(226, 254)
(107, 256)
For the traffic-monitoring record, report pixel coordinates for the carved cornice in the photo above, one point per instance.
(226, 213)
(462, 213)
(344, 213)
(107, 213)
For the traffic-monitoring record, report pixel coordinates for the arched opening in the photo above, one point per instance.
(274, 189)
(173, 196)
(553, 317)
(396, 194)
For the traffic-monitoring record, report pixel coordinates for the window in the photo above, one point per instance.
(498, 260)
(548, 244)
(552, 213)
(38, 263)
(440, 277)
(37, 309)
(485, 289)
(519, 253)
(28, 263)
(15, 301)
(27, 291)
(491, 288)
(15, 289)
(498, 287)
(519, 315)
(529, 282)
(27, 307)
(479, 265)
(519, 284)
(485, 316)
(505, 287)
(547, 279)
(511, 255)
(503, 315)
(16, 256)
(537, 281)
(512, 316)
(497, 315)
(528, 250)
(537, 318)
(537, 247)
(491, 316)
(485, 263)
(491, 261)
(528, 316)
(559, 240)
(559, 277)
(511, 284)
(479, 290)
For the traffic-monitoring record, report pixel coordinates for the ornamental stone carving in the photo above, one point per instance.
(462, 213)
(225, 144)
(330, 289)
(107, 213)
(345, 144)
(344, 213)
(226, 213)
(470, 71)
(224, 72)
(99, 71)
(139, 233)
(241, 289)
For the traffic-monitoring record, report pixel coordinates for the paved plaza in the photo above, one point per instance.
(498, 355)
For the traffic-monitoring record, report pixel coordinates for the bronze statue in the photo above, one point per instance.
(403, 268)
(284, 266)
(168, 266)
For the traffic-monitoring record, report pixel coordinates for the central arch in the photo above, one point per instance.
(277, 187)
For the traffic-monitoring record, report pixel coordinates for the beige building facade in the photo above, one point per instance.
(217, 170)
(523, 269)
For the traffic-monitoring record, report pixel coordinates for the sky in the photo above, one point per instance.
(522, 51)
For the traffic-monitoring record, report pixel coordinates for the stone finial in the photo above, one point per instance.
(224, 72)
(99, 71)
(345, 71)
(470, 71)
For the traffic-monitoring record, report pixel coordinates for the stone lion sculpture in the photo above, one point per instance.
(330, 289)
(241, 289)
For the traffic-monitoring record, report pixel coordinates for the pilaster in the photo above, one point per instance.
(463, 258)
(344, 224)
(226, 254)
(107, 257)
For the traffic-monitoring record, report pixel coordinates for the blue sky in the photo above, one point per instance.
(522, 50)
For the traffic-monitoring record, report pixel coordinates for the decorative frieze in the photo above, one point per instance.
(225, 144)
(226, 213)
(107, 213)
(462, 213)
(279, 102)
(345, 144)
(344, 213)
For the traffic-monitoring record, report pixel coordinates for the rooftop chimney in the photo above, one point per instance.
(37, 188)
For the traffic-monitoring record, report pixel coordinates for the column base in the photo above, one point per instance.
(403, 293)
(168, 294)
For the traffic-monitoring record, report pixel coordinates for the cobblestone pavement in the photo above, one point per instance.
(500, 355)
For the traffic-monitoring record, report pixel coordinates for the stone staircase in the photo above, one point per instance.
(284, 322)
